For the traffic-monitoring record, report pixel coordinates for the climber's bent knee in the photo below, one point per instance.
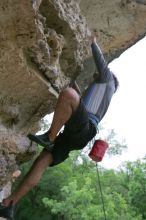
(70, 96)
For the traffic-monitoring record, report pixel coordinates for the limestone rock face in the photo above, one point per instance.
(42, 43)
(118, 23)
(43, 46)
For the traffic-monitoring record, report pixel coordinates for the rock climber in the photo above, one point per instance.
(80, 117)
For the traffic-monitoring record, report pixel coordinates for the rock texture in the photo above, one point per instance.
(118, 25)
(43, 45)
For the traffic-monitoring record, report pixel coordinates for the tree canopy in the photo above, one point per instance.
(70, 191)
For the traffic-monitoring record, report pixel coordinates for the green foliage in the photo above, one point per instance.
(136, 175)
(116, 147)
(76, 202)
(45, 125)
(70, 191)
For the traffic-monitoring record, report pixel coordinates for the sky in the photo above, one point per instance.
(127, 111)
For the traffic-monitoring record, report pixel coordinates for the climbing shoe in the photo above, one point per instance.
(7, 212)
(42, 140)
(43, 136)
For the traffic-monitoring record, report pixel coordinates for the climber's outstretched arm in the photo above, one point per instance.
(101, 64)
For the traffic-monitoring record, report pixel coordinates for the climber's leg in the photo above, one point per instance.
(67, 104)
(31, 179)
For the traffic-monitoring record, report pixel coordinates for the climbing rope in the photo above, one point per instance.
(99, 183)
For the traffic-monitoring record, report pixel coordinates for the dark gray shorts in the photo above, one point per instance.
(78, 131)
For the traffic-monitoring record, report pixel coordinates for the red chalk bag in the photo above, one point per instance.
(98, 150)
